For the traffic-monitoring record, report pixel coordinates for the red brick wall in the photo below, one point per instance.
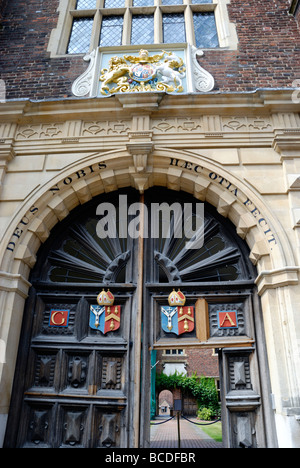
(202, 361)
(268, 54)
(25, 64)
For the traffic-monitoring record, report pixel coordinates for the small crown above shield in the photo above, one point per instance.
(177, 298)
(105, 298)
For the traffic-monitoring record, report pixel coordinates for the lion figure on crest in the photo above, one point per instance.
(118, 67)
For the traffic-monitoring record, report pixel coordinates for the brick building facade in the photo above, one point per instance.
(186, 100)
(267, 55)
(204, 362)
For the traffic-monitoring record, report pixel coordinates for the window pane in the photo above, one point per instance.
(201, 1)
(86, 5)
(172, 2)
(142, 30)
(80, 36)
(173, 28)
(142, 3)
(111, 31)
(205, 30)
(114, 3)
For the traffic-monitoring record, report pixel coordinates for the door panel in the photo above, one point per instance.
(74, 384)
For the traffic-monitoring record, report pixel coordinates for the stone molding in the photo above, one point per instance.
(14, 283)
(279, 278)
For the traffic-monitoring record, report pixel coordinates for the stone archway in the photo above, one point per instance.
(165, 402)
(80, 183)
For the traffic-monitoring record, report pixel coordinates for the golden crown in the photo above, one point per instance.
(105, 298)
(177, 298)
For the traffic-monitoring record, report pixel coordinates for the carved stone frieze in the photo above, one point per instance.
(42, 131)
(97, 128)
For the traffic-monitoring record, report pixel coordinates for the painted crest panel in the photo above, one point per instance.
(177, 320)
(105, 318)
(144, 71)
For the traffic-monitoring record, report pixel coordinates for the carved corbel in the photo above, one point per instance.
(203, 80)
(140, 151)
(83, 86)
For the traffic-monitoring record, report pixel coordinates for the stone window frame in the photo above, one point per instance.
(60, 36)
(170, 353)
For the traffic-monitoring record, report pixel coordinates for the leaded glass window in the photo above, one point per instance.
(80, 36)
(173, 28)
(172, 2)
(114, 3)
(111, 31)
(195, 2)
(86, 4)
(142, 29)
(142, 3)
(140, 22)
(205, 30)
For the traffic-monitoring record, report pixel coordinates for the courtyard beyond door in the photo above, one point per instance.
(191, 436)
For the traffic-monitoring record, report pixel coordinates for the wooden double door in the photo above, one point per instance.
(77, 385)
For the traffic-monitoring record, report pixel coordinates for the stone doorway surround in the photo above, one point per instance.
(238, 152)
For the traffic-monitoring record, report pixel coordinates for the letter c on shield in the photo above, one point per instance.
(62, 318)
(59, 318)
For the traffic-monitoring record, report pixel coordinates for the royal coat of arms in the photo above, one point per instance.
(128, 74)
(177, 318)
(105, 316)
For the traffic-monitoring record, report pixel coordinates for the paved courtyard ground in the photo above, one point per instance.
(166, 435)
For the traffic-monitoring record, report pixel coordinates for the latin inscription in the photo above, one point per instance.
(187, 165)
(227, 185)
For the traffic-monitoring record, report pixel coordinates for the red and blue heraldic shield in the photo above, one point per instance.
(105, 318)
(178, 319)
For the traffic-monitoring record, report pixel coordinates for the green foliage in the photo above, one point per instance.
(202, 388)
(206, 414)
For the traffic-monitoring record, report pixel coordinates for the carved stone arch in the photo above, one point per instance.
(106, 172)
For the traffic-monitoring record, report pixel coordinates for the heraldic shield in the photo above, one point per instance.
(177, 319)
(105, 316)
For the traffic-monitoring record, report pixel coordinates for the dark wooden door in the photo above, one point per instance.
(76, 386)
